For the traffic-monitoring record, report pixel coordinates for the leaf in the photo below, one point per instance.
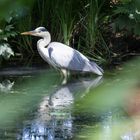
(125, 22)
(8, 19)
(137, 29)
(121, 10)
(9, 27)
(6, 51)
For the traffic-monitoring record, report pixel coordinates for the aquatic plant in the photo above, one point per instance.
(95, 19)
(65, 17)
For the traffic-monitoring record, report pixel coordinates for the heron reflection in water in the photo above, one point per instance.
(54, 119)
(62, 56)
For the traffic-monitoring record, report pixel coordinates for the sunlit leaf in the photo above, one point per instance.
(6, 51)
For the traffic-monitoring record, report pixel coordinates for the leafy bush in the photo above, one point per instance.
(5, 34)
(5, 50)
(127, 17)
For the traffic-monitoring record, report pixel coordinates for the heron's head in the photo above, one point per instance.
(40, 32)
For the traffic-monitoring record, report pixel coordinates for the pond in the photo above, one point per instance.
(34, 105)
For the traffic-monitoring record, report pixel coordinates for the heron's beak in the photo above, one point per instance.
(29, 33)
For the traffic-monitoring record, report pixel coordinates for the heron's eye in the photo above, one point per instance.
(39, 31)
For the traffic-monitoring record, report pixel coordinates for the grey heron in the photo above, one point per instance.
(62, 56)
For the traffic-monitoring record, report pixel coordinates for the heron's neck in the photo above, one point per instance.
(44, 41)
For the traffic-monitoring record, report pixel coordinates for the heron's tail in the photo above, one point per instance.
(96, 69)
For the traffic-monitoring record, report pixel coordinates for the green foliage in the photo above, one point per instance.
(82, 24)
(64, 19)
(71, 22)
(9, 7)
(5, 34)
(64, 14)
(5, 50)
(95, 18)
(11, 12)
(128, 17)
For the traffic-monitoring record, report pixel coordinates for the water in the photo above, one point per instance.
(34, 105)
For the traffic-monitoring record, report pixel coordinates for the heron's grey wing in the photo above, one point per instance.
(68, 58)
(78, 62)
(81, 63)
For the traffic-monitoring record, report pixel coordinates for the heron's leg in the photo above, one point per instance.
(65, 76)
(68, 73)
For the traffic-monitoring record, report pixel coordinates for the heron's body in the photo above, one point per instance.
(62, 56)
